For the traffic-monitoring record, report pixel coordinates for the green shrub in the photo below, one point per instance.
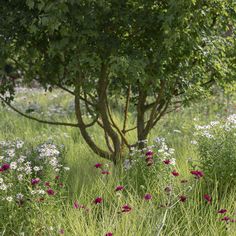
(216, 144)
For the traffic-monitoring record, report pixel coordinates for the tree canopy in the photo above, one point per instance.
(159, 55)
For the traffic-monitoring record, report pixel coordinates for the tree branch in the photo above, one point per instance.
(36, 119)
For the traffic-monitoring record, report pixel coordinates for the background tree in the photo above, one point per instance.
(158, 55)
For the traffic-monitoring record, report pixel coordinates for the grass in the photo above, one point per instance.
(84, 183)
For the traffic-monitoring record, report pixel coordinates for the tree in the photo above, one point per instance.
(158, 55)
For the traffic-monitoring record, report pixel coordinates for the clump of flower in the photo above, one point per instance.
(27, 175)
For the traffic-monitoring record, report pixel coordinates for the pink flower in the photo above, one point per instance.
(222, 211)
(1, 170)
(233, 220)
(98, 165)
(119, 188)
(175, 173)
(61, 185)
(76, 205)
(57, 177)
(105, 172)
(183, 198)
(207, 198)
(47, 184)
(35, 181)
(61, 231)
(147, 196)
(50, 192)
(126, 208)
(109, 234)
(149, 153)
(167, 161)
(5, 166)
(198, 174)
(98, 200)
(225, 218)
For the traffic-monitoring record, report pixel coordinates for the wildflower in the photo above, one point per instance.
(105, 172)
(47, 184)
(98, 165)
(61, 231)
(61, 185)
(147, 196)
(222, 211)
(98, 200)
(13, 165)
(1, 180)
(50, 192)
(5, 166)
(109, 234)
(175, 173)
(76, 205)
(167, 161)
(57, 177)
(9, 199)
(149, 153)
(207, 198)
(225, 218)
(183, 198)
(119, 188)
(198, 174)
(126, 208)
(35, 181)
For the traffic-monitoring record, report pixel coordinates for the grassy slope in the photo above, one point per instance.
(84, 182)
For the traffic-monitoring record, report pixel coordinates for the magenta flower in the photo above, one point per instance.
(167, 161)
(61, 231)
(149, 153)
(105, 172)
(98, 165)
(98, 200)
(47, 184)
(147, 196)
(57, 177)
(119, 188)
(76, 205)
(183, 198)
(5, 166)
(207, 198)
(35, 181)
(225, 218)
(109, 234)
(222, 211)
(198, 174)
(126, 208)
(175, 173)
(1, 170)
(50, 192)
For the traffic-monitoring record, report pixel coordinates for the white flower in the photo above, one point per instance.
(66, 168)
(36, 168)
(3, 187)
(194, 142)
(41, 191)
(1, 180)
(19, 144)
(20, 177)
(13, 165)
(9, 199)
(19, 195)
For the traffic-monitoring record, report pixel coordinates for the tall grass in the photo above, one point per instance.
(191, 218)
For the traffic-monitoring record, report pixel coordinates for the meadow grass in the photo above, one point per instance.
(84, 183)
